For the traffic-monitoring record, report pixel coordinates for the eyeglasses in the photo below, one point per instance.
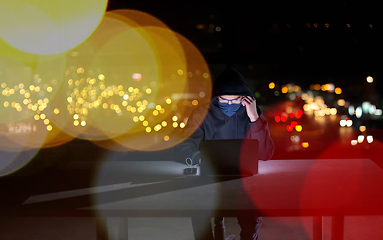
(232, 101)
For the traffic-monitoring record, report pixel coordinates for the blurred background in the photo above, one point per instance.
(125, 88)
(86, 82)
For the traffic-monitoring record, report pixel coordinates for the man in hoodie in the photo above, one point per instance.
(232, 114)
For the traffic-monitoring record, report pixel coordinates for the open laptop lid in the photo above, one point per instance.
(231, 157)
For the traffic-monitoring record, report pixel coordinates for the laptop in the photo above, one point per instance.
(231, 157)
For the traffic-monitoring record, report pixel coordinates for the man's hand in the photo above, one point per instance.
(251, 107)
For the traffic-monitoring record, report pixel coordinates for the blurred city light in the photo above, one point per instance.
(358, 112)
(338, 90)
(366, 107)
(38, 27)
(351, 110)
(370, 139)
(369, 79)
(360, 138)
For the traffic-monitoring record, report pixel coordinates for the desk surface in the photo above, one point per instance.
(282, 188)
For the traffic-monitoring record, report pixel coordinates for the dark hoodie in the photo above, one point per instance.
(217, 125)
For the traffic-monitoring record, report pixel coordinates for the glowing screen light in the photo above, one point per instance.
(49, 27)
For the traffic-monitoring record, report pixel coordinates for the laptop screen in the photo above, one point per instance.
(229, 157)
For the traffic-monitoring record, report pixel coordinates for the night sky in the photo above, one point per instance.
(303, 42)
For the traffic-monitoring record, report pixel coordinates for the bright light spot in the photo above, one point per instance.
(370, 139)
(166, 138)
(338, 90)
(351, 110)
(80, 70)
(174, 118)
(369, 79)
(362, 128)
(333, 111)
(349, 123)
(37, 117)
(157, 127)
(155, 112)
(360, 138)
(358, 112)
(135, 119)
(372, 109)
(324, 87)
(101, 77)
(299, 114)
(76, 123)
(366, 107)
(164, 123)
(342, 123)
(137, 76)
(354, 142)
(277, 118)
(126, 96)
(298, 128)
(46, 121)
(182, 125)
(304, 96)
(194, 102)
(271, 85)
(305, 144)
(175, 124)
(148, 129)
(180, 72)
(49, 128)
(284, 89)
(75, 116)
(295, 138)
(148, 91)
(168, 101)
(6, 104)
(289, 128)
(330, 87)
(378, 112)
(341, 102)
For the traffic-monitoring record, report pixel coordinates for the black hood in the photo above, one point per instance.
(231, 82)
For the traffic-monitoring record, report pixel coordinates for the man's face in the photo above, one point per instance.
(230, 99)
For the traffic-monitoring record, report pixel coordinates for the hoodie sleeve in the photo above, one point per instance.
(260, 130)
(193, 133)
